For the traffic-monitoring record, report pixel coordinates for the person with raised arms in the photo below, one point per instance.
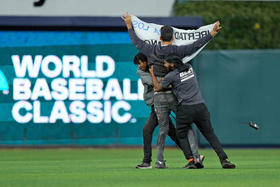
(164, 100)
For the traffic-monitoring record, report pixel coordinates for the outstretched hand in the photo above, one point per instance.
(217, 26)
(127, 19)
(216, 29)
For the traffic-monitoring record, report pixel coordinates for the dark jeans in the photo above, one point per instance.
(199, 114)
(148, 135)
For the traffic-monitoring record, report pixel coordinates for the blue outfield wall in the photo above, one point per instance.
(81, 88)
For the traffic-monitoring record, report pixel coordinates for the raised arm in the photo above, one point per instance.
(185, 50)
(141, 45)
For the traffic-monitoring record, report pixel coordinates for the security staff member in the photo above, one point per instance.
(191, 108)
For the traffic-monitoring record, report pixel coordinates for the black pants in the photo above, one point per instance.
(148, 135)
(199, 114)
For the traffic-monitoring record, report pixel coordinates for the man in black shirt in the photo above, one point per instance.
(191, 108)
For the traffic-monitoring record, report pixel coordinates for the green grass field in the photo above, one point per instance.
(116, 167)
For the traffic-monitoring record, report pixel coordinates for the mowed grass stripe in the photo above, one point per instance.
(116, 167)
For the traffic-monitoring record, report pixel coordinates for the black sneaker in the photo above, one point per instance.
(199, 162)
(144, 166)
(227, 164)
(199, 165)
(191, 165)
(160, 165)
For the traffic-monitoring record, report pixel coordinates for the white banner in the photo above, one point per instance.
(150, 33)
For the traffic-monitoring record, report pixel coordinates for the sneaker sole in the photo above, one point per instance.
(150, 167)
(199, 166)
(229, 166)
(161, 167)
(190, 168)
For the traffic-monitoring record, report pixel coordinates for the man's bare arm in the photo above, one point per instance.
(157, 85)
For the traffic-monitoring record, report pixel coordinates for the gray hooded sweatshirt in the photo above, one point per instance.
(147, 82)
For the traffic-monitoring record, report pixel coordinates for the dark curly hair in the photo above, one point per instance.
(140, 56)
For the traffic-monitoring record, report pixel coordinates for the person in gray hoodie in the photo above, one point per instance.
(143, 72)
